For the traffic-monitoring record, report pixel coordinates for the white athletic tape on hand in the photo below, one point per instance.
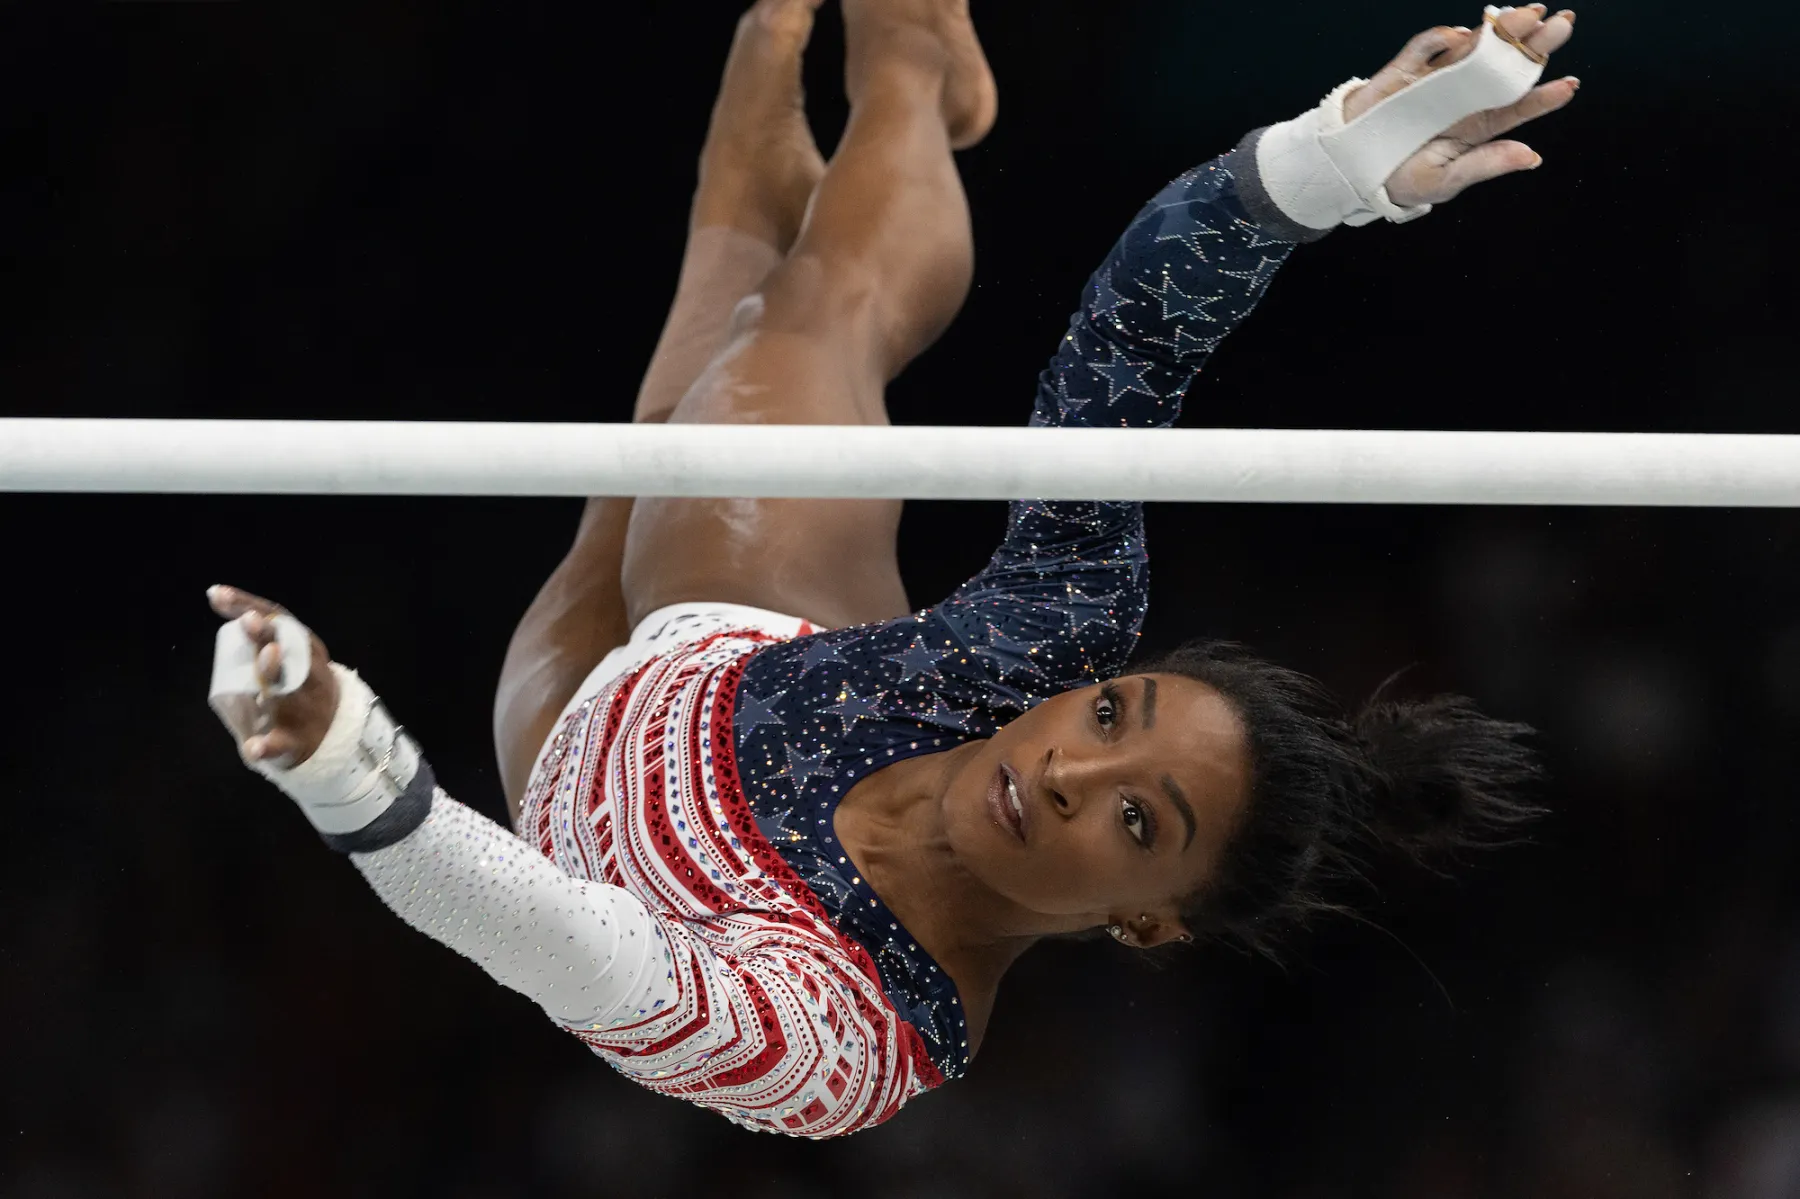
(364, 762)
(1322, 172)
(234, 659)
(361, 767)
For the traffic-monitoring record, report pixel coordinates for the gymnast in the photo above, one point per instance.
(777, 837)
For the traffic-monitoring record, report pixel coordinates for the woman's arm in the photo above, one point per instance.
(1061, 600)
(771, 1022)
(588, 954)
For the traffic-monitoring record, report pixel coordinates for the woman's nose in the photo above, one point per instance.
(1065, 778)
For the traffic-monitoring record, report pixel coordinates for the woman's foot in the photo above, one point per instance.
(875, 28)
(760, 163)
(1465, 153)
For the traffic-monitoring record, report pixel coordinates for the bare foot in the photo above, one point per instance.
(971, 100)
(1466, 153)
(760, 163)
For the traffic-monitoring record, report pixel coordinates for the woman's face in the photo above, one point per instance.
(1105, 805)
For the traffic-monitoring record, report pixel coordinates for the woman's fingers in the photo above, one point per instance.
(1429, 51)
(275, 745)
(268, 663)
(230, 601)
(1523, 23)
(1544, 98)
(1484, 163)
(1553, 34)
(1417, 55)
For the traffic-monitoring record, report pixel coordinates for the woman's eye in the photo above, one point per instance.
(1134, 820)
(1105, 712)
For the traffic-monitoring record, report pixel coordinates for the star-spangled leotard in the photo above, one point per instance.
(703, 782)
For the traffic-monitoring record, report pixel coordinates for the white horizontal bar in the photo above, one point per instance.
(1235, 465)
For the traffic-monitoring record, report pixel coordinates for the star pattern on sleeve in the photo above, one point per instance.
(1180, 224)
(819, 652)
(1259, 275)
(1185, 342)
(1013, 654)
(1177, 303)
(1107, 300)
(1083, 611)
(917, 660)
(1123, 374)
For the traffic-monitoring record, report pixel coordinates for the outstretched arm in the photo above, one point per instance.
(1068, 586)
(1195, 261)
(683, 1006)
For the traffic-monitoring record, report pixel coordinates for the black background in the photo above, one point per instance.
(442, 212)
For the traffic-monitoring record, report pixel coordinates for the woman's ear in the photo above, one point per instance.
(1150, 929)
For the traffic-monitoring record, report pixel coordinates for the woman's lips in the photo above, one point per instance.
(1006, 802)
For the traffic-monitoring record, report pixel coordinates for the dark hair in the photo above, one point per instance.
(1329, 791)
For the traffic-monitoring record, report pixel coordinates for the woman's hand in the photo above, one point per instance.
(1466, 153)
(282, 730)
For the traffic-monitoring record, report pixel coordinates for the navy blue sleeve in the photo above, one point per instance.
(1060, 603)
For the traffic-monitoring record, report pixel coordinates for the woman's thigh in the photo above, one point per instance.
(801, 355)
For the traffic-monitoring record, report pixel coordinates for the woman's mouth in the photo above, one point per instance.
(1005, 803)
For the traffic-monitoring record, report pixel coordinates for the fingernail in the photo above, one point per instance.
(1462, 29)
(1567, 14)
(217, 590)
(1575, 81)
(1537, 160)
(254, 746)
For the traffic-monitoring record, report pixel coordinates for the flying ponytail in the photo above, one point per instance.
(1330, 793)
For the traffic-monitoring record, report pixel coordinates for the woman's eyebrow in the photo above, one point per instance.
(1181, 805)
(1149, 708)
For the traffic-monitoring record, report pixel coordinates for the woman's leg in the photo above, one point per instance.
(756, 172)
(881, 266)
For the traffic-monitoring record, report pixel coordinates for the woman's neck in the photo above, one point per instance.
(891, 824)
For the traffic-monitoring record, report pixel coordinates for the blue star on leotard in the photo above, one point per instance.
(852, 707)
(753, 710)
(817, 654)
(918, 660)
(801, 767)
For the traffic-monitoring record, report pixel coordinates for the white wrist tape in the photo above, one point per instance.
(1322, 172)
(359, 770)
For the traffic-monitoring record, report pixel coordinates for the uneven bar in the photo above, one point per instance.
(1311, 466)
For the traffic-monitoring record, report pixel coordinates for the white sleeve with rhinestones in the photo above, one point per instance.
(586, 952)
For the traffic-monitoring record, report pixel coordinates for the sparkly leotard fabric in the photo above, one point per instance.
(704, 781)
(675, 895)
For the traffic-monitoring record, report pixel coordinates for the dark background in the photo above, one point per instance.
(419, 211)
